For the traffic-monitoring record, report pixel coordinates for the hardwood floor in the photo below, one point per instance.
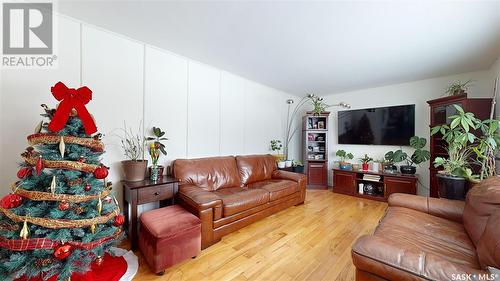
(307, 242)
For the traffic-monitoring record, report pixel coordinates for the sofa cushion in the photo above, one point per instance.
(482, 201)
(277, 188)
(488, 247)
(209, 173)
(254, 168)
(237, 199)
(413, 242)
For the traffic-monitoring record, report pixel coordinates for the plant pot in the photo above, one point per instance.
(288, 163)
(135, 170)
(390, 168)
(298, 169)
(365, 166)
(345, 166)
(278, 157)
(281, 164)
(375, 166)
(160, 169)
(451, 187)
(408, 170)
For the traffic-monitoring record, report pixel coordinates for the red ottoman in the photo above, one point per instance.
(168, 236)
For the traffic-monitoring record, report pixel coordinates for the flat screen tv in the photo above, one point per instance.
(393, 125)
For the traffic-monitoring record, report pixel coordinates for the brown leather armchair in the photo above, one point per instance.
(422, 238)
(228, 193)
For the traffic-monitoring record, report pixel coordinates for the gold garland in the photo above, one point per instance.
(60, 223)
(41, 138)
(48, 196)
(62, 164)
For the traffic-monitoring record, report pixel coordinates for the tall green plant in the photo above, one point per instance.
(465, 148)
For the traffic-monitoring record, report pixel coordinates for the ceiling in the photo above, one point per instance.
(320, 47)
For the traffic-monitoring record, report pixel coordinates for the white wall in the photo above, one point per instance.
(205, 111)
(417, 93)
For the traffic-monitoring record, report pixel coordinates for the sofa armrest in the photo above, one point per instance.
(439, 207)
(279, 174)
(199, 198)
(301, 180)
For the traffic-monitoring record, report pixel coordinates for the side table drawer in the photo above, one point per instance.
(154, 193)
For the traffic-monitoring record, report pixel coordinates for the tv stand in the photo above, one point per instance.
(347, 182)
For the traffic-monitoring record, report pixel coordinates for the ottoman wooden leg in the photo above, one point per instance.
(161, 273)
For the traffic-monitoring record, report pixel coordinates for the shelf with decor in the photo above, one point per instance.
(315, 149)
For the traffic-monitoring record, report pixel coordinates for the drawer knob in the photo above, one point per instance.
(157, 193)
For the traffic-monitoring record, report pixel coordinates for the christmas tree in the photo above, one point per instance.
(61, 216)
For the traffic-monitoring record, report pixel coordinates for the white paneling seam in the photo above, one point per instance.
(187, 109)
(143, 90)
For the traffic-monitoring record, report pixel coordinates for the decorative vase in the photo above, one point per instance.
(135, 170)
(375, 166)
(298, 169)
(365, 166)
(390, 168)
(288, 163)
(281, 164)
(154, 173)
(160, 169)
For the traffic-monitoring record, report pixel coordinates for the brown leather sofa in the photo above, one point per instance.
(422, 238)
(228, 193)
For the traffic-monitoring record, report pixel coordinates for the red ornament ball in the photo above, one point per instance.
(10, 201)
(119, 220)
(87, 187)
(63, 251)
(101, 172)
(24, 172)
(64, 205)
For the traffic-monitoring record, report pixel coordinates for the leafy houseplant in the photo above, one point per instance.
(276, 148)
(391, 158)
(365, 162)
(344, 165)
(457, 88)
(298, 167)
(466, 148)
(419, 156)
(156, 148)
(133, 148)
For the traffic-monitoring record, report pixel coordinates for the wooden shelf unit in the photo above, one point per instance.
(440, 110)
(315, 149)
(346, 182)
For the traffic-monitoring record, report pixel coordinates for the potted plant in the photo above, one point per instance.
(365, 162)
(344, 165)
(419, 156)
(156, 148)
(465, 148)
(276, 149)
(298, 167)
(133, 145)
(391, 158)
(457, 88)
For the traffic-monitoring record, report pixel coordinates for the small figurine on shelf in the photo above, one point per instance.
(156, 148)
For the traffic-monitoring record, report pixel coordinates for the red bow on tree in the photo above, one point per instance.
(71, 98)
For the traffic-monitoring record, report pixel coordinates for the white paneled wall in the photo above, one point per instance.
(205, 111)
(165, 99)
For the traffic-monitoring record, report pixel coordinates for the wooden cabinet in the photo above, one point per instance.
(317, 174)
(440, 110)
(344, 182)
(347, 182)
(315, 149)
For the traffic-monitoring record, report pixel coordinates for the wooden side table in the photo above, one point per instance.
(142, 192)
